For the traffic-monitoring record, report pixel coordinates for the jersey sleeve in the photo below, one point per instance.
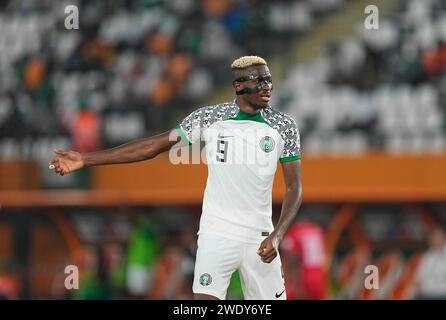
(291, 148)
(190, 128)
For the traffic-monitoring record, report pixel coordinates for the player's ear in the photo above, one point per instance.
(237, 86)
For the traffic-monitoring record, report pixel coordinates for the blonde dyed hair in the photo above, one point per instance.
(247, 61)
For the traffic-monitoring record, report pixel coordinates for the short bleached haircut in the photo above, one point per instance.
(247, 61)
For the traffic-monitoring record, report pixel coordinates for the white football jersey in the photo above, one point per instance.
(242, 151)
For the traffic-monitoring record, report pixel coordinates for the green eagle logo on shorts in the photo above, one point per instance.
(205, 279)
(267, 144)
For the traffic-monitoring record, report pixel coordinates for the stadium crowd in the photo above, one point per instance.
(134, 67)
(370, 91)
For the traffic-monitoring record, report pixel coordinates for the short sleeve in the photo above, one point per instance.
(291, 148)
(190, 128)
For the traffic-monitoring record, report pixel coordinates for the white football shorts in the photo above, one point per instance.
(218, 257)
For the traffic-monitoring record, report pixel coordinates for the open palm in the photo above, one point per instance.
(67, 161)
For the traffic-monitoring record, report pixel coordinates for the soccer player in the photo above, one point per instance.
(244, 139)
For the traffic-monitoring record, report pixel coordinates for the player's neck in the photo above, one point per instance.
(246, 106)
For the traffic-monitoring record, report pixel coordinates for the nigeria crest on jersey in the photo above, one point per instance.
(267, 144)
(205, 279)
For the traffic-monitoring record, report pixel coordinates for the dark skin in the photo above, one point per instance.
(254, 102)
(292, 200)
(68, 161)
(138, 150)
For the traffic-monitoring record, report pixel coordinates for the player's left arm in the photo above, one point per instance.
(291, 203)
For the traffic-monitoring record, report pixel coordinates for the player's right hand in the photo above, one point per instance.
(67, 161)
(268, 249)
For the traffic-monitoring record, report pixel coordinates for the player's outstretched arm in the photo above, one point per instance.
(144, 149)
(290, 205)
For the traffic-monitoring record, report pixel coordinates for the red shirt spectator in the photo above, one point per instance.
(86, 131)
(304, 251)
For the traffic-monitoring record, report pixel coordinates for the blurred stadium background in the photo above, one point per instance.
(370, 105)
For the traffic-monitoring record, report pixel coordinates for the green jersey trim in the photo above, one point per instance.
(242, 115)
(182, 135)
(288, 159)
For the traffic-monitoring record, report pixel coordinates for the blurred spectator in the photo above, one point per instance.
(142, 252)
(86, 130)
(407, 66)
(95, 283)
(9, 286)
(363, 117)
(434, 60)
(116, 269)
(442, 100)
(169, 278)
(188, 241)
(304, 252)
(431, 274)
